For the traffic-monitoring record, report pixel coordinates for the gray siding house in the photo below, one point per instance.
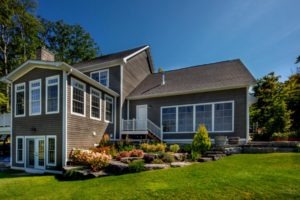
(57, 107)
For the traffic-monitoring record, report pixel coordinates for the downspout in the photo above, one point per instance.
(65, 116)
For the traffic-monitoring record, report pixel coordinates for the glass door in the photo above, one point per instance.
(35, 153)
(40, 154)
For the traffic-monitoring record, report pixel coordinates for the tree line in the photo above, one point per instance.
(22, 32)
(277, 110)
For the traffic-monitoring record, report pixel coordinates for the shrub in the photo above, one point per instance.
(159, 147)
(94, 160)
(187, 148)
(167, 158)
(98, 161)
(136, 153)
(157, 161)
(136, 166)
(104, 140)
(148, 158)
(298, 147)
(174, 148)
(280, 136)
(123, 154)
(201, 141)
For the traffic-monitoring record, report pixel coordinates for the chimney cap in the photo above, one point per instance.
(163, 78)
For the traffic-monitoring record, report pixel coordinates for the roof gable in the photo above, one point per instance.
(208, 77)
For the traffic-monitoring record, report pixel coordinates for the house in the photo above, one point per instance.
(57, 107)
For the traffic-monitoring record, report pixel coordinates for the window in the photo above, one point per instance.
(108, 109)
(217, 117)
(223, 117)
(51, 150)
(185, 119)
(78, 97)
(52, 94)
(101, 76)
(169, 119)
(20, 100)
(19, 149)
(95, 101)
(35, 97)
(204, 116)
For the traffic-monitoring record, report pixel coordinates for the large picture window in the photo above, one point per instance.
(78, 97)
(51, 150)
(204, 116)
(20, 100)
(185, 119)
(52, 94)
(109, 109)
(217, 117)
(101, 76)
(223, 117)
(169, 119)
(95, 101)
(35, 97)
(19, 149)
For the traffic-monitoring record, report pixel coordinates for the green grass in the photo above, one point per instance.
(252, 176)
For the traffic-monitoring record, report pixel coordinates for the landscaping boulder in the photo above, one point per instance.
(156, 166)
(180, 164)
(117, 167)
(129, 159)
(204, 159)
(180, 156)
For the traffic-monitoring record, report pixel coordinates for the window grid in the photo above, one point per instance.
(19, 149)
(35, 97)
(101, 76)
(52, 94)
(78, 98)
(95, 104)
(20, 100)
(51, 150)
(108, 109)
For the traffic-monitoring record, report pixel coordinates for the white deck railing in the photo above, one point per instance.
(141, 125)
(5, 119)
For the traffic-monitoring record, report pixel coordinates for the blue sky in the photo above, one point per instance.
(264, 34)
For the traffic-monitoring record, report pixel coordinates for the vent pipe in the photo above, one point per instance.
(163, 81)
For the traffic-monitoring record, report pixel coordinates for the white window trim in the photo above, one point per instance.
(30, 95)
(47, 150)
(113, 109)
(84, 98)
(23, 150)
(100, 104)
(194, 119)
(58, 93)
(98, 72)
(24, 90)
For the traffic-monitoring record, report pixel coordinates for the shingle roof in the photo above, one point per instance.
(207, 77)
(109, 57)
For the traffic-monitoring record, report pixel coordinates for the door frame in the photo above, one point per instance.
(36, 138)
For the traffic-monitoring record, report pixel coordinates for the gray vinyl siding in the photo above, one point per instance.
(45, 124)
(80, 129)
(114, 77)
(134, 72)
(237, 95)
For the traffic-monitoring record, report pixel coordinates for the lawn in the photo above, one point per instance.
(245, 176)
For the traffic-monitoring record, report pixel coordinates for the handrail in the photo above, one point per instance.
(141, 125)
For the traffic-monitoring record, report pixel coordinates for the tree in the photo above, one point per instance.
(293, 100)
(201, 141)
(70, 43)
(297, 60)
(270, 110)
(18, 37)
(160, 70)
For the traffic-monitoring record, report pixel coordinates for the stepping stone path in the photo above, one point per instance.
(156, 166)
(180, 164)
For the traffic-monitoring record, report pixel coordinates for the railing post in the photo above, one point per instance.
(133, 124)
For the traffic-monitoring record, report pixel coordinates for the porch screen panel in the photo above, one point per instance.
(185, 119)
(169, 119)
(204, 116)
(223, 117)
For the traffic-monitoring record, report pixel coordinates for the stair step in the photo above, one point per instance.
(205, 159)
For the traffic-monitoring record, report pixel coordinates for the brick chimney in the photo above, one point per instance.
(44, 54)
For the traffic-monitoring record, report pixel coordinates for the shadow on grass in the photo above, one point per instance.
(10, 173)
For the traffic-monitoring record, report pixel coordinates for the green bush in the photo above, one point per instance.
(157, 161)
(187, 148)
(201, 141)
(159, 147)
(136, 166)
(174, 148)
(280, 136)
(167, 157)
